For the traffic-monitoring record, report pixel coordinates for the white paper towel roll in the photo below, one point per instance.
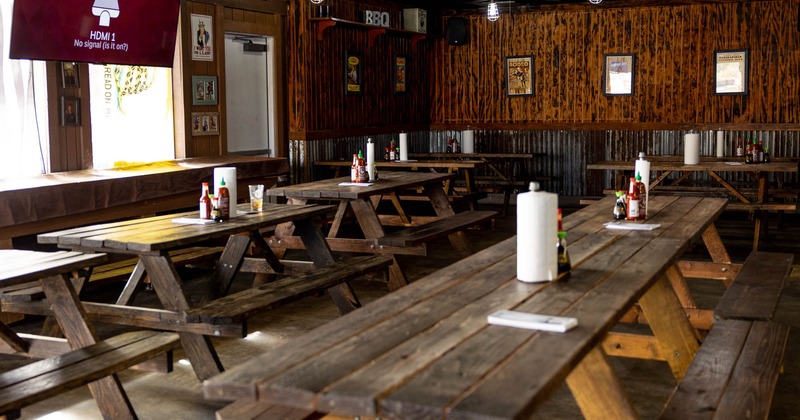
(467, 141)
(229, 174)
(371, 159)
(720, 143)
(537, 236)
(403, 146)
(691, 149)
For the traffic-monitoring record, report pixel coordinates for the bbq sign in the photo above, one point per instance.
(136, 32)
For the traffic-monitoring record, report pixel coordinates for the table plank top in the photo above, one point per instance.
(20, 266)
(411, 164)
(703, 166)
(528, 155)
(330, 188)
(161, 233)
(427, 350)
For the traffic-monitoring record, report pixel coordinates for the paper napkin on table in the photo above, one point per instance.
(632, 226)
(355, 184)
(193, 221)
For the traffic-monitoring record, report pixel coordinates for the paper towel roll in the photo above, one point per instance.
(229, 174)
(371, 159)
(720, 143)
(403, 146)
(537, 216)
(691, 149)
(467, 141)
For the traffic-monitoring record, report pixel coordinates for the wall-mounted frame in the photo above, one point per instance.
(70, 111)
(618, 76)
(352, 74)
(730, 72)
(69, 75)
(204, 90)
(519, 75)
(399, 74)
(205, 123)
(202, 38)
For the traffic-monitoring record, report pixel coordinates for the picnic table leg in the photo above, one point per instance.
(761, 218)
(107, 392)
(372, 229)
(229, 263)
(443, 209)
(132, 285)
(320, 253)
(169, 289)
(597, 389)
(672, 329)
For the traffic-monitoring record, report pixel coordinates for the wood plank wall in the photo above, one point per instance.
(674, 74)
(320, 109)
(70, 147)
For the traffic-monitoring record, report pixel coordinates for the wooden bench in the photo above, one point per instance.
(734, 373)
(247, 409)
(756, 289)
(55, 375)
(416, 235)
(237, 307)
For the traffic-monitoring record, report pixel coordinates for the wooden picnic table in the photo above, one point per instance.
(363, 201)
(64, 371)
(427, 351)
(152, 238)
(760, 200)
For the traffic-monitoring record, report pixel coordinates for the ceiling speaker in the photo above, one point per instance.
(457, 31)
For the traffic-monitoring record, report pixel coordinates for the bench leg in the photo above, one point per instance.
(597, 390)
(371, 227)
(107, 392)
(673, 330)
(169, 289)
(132, 285)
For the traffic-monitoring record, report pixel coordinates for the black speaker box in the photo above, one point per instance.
(457, 31)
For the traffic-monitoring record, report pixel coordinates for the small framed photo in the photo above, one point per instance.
(619, 74)
(400, 67)
(519, 76)
(205, 123)
(730, 72)
(204, 90)
(69, 75)
(352, 75)
(70, 111)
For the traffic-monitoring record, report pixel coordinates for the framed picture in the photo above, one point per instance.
(69, 75)
(204, 90)
(202, 38)
(730, 72)
(70, 111)
(618, 74)
(519, 75)
(352, 75)
(205, 123)
(399, 73)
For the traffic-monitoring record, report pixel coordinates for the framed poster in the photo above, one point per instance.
(202, 38)
(400, 67)
(204, 90)
(205, 123)
(69, 75)
(70, 111)
(730, 72)
(519, 75)
(352, 75)
(618, 74)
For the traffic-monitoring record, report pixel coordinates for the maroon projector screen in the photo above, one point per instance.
(136, 32)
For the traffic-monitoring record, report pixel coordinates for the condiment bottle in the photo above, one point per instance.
(619, 207)
(224, 201)
(632, 203)
(361, 171)
(564, 265)
(642, 197)
(354, 169)
(767, 159)
(205, 203)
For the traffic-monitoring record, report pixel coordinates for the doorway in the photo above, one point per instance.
(250, 94)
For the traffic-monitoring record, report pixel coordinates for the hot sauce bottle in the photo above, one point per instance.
(633, 201)
(224, 201)
(205, 203)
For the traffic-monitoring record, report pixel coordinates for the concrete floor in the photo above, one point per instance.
(178, 395)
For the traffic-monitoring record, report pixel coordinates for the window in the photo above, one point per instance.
(132, 115)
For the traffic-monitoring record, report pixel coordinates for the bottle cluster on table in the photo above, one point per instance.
(753, 151)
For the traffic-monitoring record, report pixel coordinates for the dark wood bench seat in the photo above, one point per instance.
(248, 409)
(415, 235)
(734, 373)
(756, 289)
(52, 376)
(236, 307)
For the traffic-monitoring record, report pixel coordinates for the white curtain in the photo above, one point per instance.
(23, 109)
